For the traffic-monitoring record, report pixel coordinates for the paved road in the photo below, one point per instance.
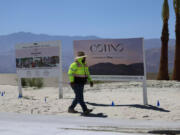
(21, 124)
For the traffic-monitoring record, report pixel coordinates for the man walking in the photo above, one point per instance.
(79, 75)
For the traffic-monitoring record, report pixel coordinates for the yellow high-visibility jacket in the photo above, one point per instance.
(78, 70)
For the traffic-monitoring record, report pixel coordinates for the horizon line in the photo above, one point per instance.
(45, 34)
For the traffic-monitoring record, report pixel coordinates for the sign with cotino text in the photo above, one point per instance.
(113, 59)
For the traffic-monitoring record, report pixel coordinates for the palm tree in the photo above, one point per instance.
(176, 70)
(163, 67)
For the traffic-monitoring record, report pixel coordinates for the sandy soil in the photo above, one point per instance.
(127, 98)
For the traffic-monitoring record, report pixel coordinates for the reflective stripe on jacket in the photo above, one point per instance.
(78, 69)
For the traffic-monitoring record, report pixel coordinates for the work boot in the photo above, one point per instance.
(71, 110)
(87, 111)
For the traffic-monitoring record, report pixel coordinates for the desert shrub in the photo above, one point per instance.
(39, 82)
(32, 82)
(23, 82)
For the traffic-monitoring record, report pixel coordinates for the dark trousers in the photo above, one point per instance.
(79, 98)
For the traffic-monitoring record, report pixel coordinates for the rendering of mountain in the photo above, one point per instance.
(136, 69)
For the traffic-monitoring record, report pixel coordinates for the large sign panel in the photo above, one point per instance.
(41, 59)
(113, 59)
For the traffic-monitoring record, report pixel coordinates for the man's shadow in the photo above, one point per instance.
(99, 115)
(148, 107)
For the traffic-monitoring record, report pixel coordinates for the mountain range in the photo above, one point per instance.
(8, 42)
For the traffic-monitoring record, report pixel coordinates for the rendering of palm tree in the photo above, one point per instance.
(163, 67)
(176, 70)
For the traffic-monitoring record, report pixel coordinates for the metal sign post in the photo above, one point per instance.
(145, 99)
(60, 75)
(19, 87)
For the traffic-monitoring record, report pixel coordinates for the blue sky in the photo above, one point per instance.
(103, 18)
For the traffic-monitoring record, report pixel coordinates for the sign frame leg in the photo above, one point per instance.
(20, 88)
(60, 74)
(145, 99)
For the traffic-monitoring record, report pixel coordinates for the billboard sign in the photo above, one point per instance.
(41, 59)
(113, 59)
